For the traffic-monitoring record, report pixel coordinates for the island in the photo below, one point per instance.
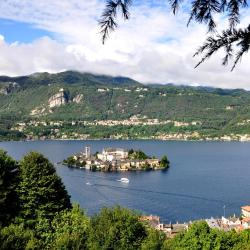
(116, 159)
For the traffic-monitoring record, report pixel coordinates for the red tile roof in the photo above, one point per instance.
(246, 208)
(246, 220)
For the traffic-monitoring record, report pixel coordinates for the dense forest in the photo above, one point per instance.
(88, 97)
(36, 213)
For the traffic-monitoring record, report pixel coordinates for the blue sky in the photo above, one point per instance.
(153, 47)
(14, 31)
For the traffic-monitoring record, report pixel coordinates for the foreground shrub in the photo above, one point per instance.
(116, 228)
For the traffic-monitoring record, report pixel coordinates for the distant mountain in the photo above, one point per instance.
(68, 77)
(73, 96)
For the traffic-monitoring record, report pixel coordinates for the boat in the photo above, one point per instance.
(124, 180)
(88, 183)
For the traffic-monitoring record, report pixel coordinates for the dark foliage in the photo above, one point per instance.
(8, 184)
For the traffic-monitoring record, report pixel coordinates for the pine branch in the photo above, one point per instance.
(108, 19)
(202, 11)
(175, 4)
(233, 8)
(231, 40)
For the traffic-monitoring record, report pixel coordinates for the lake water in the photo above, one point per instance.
(203, 177)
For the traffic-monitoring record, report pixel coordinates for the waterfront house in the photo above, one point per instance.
(153, 221)
(172, 229)
(246, 223)
(245, 211)
(153, 162)
(178, 228)
(231, 221)
(213, 223)
(136, 163)
(125, 165)
(166, 228)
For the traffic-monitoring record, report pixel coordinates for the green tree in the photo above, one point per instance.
(40, 190)
(116, 228)
(8, 184)
(154, 240)
(164, 162)
(17, 237)
(68, 230)
(200, 237)
(70, 161)
(229, 39)
(137, 155)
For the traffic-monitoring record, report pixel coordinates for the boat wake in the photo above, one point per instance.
(124, 180)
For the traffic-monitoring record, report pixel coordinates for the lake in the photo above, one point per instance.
(202, 178)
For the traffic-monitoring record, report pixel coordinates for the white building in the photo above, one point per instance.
(245, 210)
(246, 223)
(113, 154)
(231, 221)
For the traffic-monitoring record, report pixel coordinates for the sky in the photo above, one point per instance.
(154, 46)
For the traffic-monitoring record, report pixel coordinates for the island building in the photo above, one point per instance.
(87, 152)
(114, 159)
(113, 154)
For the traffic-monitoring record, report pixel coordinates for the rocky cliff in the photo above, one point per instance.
(58, 99)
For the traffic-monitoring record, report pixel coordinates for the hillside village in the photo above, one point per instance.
(116, 159)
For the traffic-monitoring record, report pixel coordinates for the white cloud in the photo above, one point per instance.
(154, 46)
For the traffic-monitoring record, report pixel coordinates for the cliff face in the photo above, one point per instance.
(58, 99)
(62, 97)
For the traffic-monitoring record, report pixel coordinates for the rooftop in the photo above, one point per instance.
(246, 208)
(115, 149)
(246, 220)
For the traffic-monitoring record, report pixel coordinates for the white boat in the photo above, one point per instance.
(124, 180)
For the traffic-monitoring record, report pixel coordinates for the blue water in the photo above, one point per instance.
(203, 177)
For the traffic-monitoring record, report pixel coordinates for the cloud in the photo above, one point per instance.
(154, 46)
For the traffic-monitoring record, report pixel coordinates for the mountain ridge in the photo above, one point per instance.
(68, 77)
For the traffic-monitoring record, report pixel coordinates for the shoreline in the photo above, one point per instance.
(129, 139)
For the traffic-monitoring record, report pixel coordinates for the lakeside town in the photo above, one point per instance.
(59, 130)
(237, 223)
(116, 159)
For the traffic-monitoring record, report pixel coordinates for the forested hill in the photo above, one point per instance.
(73, 96)
(67, 77)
